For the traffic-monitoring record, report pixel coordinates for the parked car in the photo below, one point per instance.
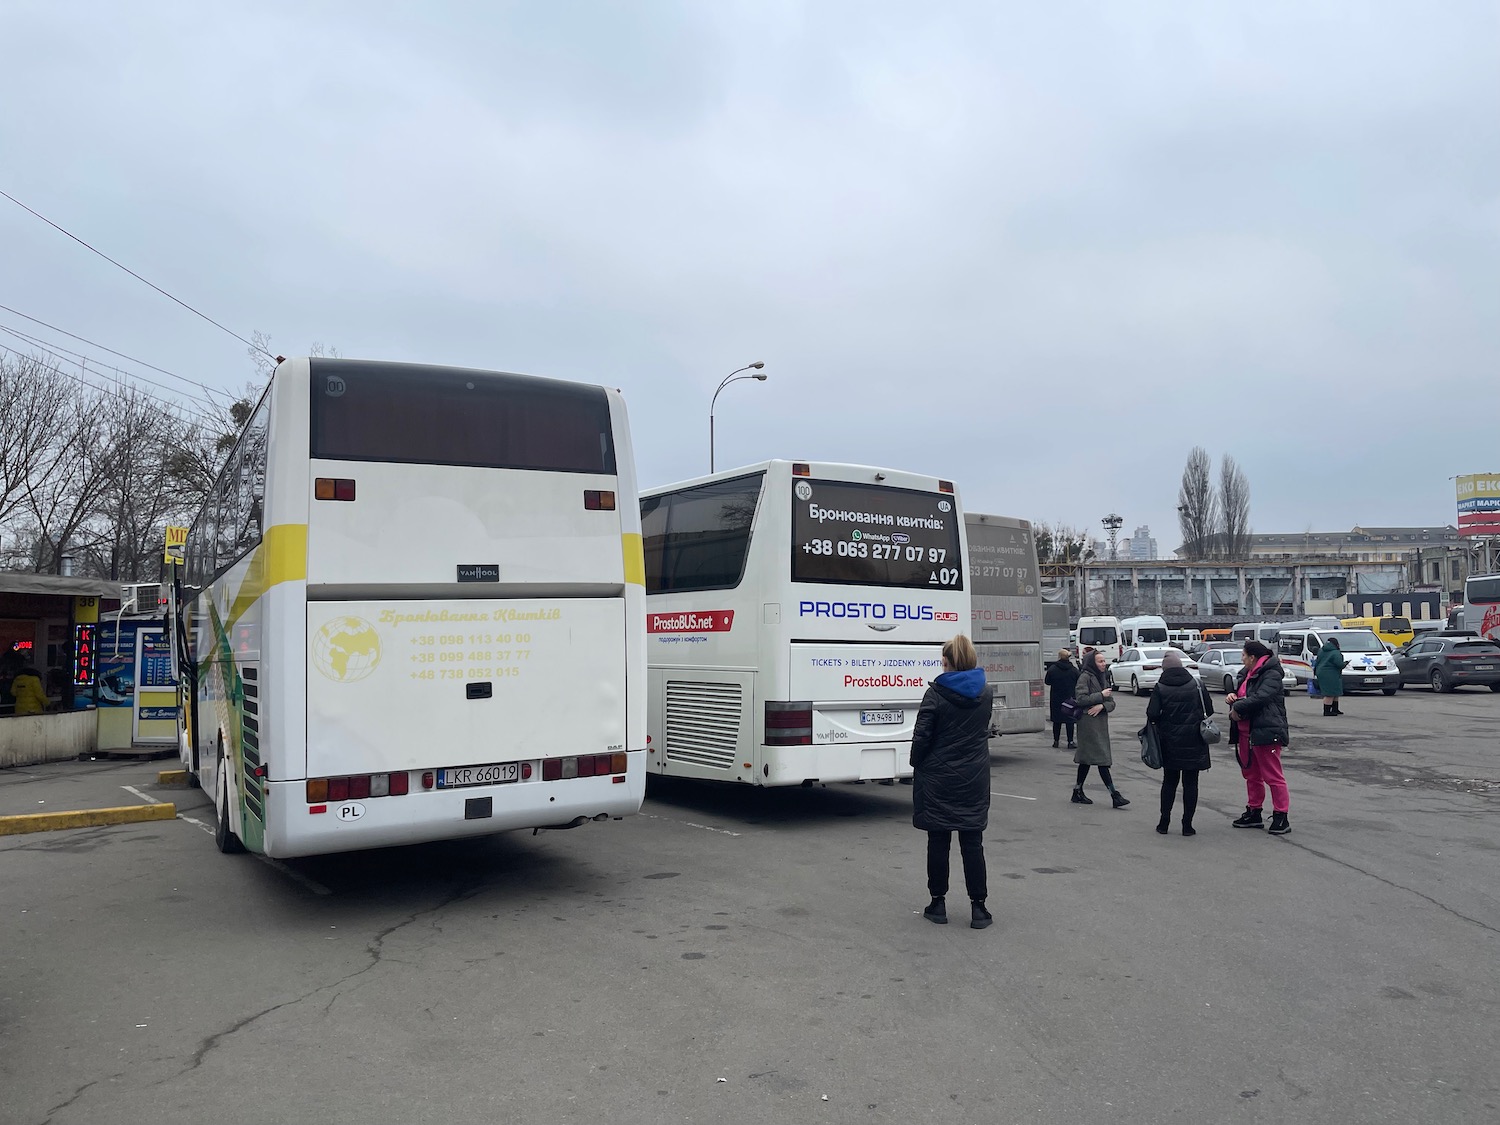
(1447, 663)
(1140, 668)
(1219, 667)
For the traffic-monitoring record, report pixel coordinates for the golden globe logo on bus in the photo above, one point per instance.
(1479, 505)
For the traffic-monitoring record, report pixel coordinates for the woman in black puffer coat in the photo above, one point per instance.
(950, 754)
(1258, 730)
(1062, 678)
(1178, 704)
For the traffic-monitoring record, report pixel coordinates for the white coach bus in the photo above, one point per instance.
(412, 609)
(1007, 632)
(795, 614)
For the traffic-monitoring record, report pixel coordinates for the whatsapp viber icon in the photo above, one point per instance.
(854, 535)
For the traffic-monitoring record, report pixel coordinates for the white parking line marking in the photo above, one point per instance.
(1016, 796)
(313, 885)
(132, 789)
(692, 824)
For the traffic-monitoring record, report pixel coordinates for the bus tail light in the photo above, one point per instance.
(362, 786)
(1036, 693)
(595, 501)
(788, 724)
(333, 488)
(585, 765)
(945, 486)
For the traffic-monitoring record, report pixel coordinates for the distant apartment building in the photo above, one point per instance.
(1140, 547)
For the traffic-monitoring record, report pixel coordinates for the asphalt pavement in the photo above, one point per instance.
(738, 955)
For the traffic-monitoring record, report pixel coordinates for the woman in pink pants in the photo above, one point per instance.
(1258, 730)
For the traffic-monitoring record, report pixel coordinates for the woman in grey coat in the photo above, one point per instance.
(1095, 696)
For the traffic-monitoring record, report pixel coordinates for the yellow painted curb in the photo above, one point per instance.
(84, 818)
(172, 777)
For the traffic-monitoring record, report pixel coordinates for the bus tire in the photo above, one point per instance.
(224, 836)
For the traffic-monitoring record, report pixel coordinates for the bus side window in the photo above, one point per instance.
(1290, 646)
(698, 539)
(1313, 644)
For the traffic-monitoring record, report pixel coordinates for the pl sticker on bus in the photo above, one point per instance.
(704, 621)
(352, 811)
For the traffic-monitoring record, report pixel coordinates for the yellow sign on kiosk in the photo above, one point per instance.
(176, 545)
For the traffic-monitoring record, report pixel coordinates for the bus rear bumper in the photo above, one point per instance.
(422, 816)
(792, 765)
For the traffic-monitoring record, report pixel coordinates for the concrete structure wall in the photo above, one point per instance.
(27, 740)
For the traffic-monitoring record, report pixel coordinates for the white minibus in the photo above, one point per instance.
(412, 609)
(795, 614)
(1138, 631)
(1102, 634)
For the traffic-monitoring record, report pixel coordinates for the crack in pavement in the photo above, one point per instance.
(78, 1093)
(1392, 884)
(374, 948)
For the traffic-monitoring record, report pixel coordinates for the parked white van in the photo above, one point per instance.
(1262, 631)
(1368, 665)
(1102, 633)
(1138, 631)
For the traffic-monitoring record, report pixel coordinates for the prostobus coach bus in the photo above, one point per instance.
(413, 610)
(795, 616)
(1007, 613)
(1481, 612)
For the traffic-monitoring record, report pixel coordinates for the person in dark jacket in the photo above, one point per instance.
(950, 757)
(1328, 670)
(1062, 678)
(1258, 730)
(1094, 694)
(1178, 704)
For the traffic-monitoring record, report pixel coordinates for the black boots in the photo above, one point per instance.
(1251, 819)
(1327, 709)
(1188, 829)
(979, 917)
(1279, 825)
(1117, 799)
(937, 911)
(1078, 796)
(1163, 824)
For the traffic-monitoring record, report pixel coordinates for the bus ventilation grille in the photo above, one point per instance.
(703, 724)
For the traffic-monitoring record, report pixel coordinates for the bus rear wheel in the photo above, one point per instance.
(224, 836)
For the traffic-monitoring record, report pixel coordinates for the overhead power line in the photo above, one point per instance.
(138, 277)
(94, 344)
(125, 375)
(102, 373)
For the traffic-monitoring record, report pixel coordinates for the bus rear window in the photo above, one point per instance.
(874, 535)
(1098, 635)
(421, 415)
(1151, 636)
(1484, 591)
(1395, 625)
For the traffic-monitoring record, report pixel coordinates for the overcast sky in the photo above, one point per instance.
(1042, 249)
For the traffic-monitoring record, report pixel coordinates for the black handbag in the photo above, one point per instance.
(1150, 746)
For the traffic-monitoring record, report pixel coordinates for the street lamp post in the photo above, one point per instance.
(733, 377)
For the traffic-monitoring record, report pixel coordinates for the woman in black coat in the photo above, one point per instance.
(950, 754)
(1178, 704)
(1062, 678)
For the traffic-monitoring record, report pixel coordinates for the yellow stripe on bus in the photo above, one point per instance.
(281, 557)
(635, 559)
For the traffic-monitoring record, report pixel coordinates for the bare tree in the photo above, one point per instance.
(1197, 513)
(33, 410)
(1234, 509)
(61, 486)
